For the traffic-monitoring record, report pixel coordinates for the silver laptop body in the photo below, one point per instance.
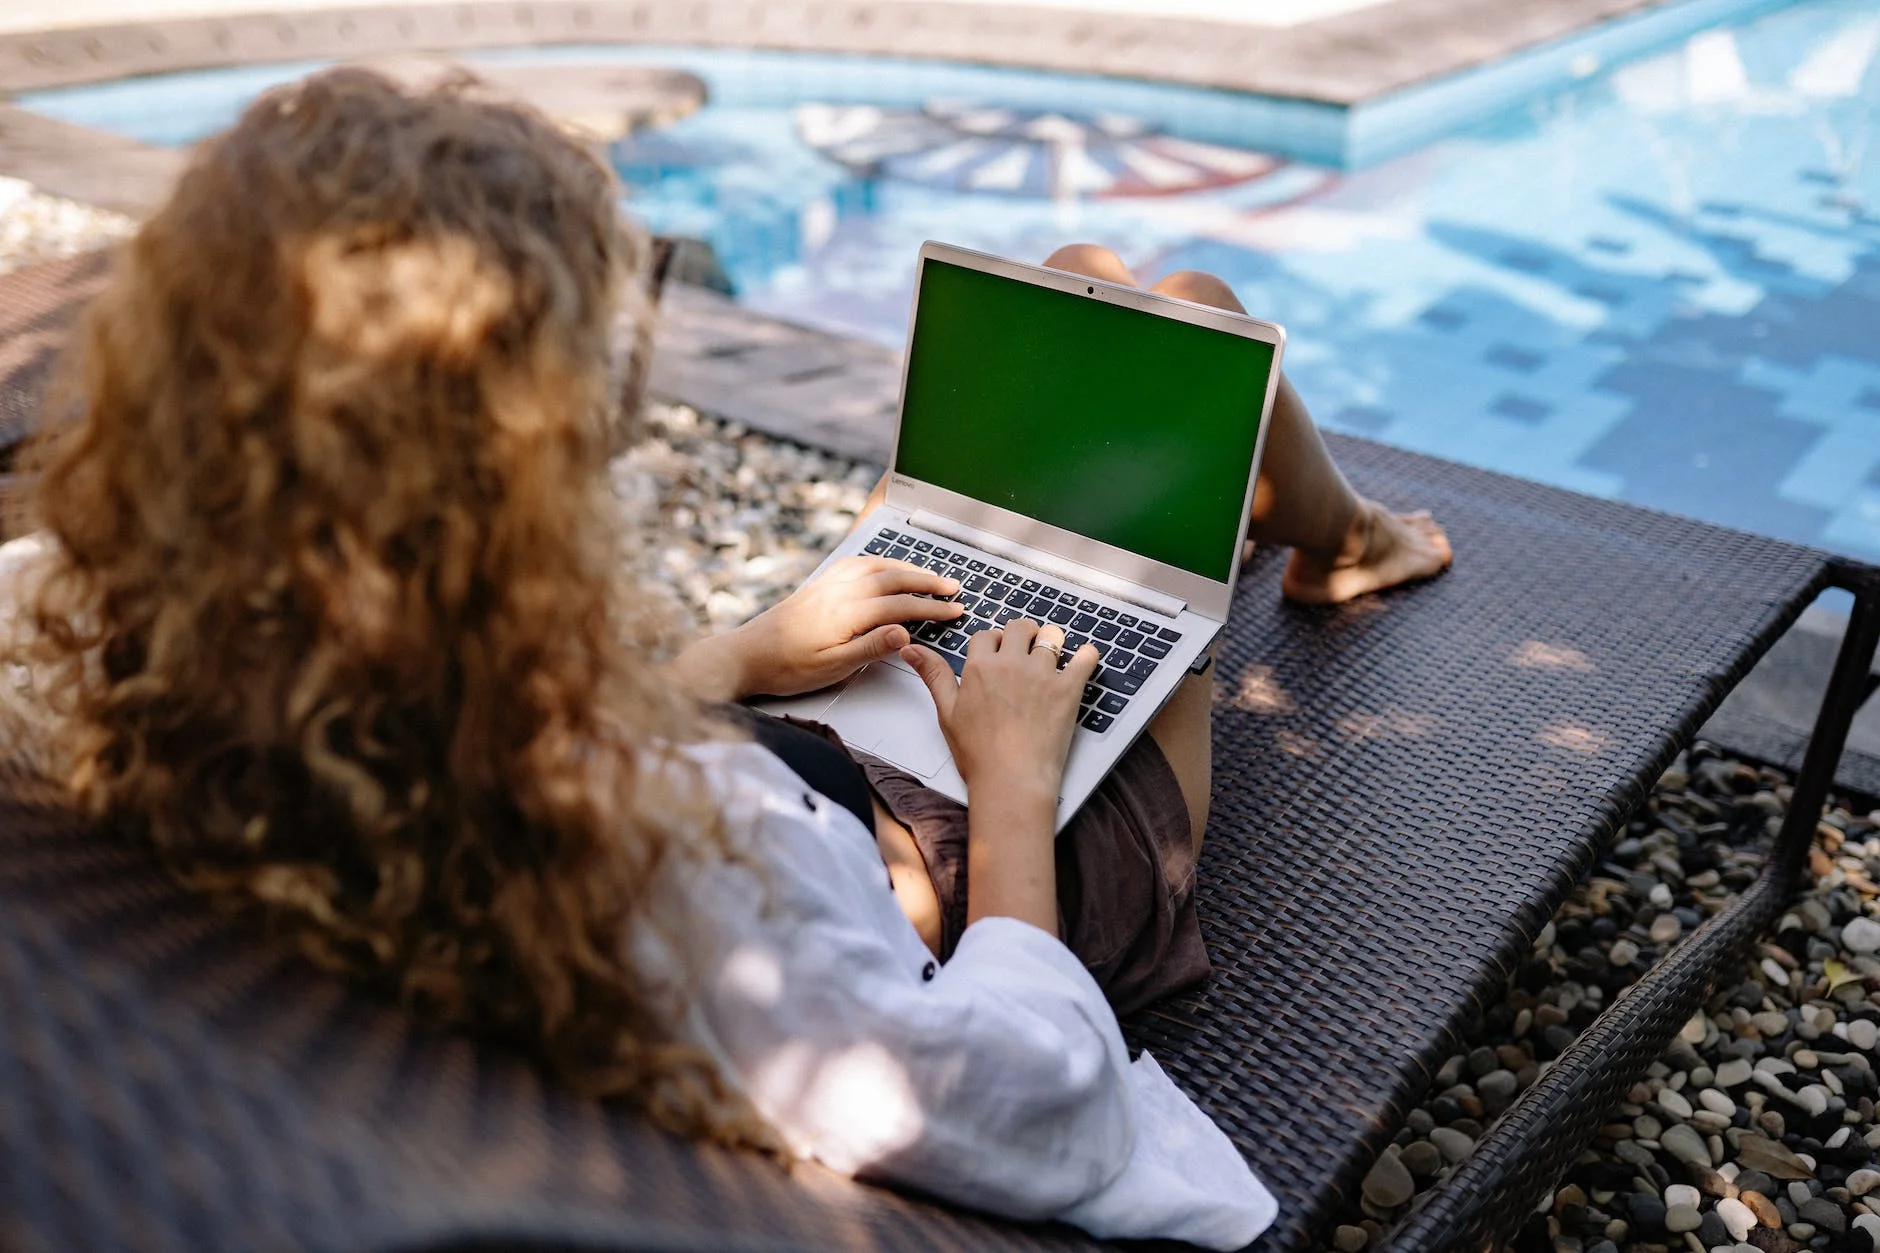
(1154, 618)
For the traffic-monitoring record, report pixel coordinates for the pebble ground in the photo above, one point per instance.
(1756, 1132)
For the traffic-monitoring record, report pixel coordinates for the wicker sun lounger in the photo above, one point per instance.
(1406, 788)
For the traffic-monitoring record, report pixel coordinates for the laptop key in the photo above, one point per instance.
(974, 582)
(1063, 614)
(1088, 606)
(897, 553)
(1073, 642)
(1126, 619)
(1113, 702)
(1091, 693)
(1118, 681)
(998, 591)
(956, 661)
(946, 553)
(967, 599)
(1142, 667)
(985, 608)
(979, 624)
(1004, 616)
(925, 546)
(975, 566)
(1154, 648)
(1030, 585)
(1106, 612)
(875, 547)
(1083, 622)
(1105, 630)
(1051, 593)
(1011, 578)
(893, 537)
(928, 631)
(1097, 721)
(953, 641)
(1173, 637)
(1128, 639)
(1018, 600)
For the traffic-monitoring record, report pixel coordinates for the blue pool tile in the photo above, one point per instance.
(1517, 359)
(1520, 409)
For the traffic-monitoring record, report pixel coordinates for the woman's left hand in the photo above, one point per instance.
(822, 633)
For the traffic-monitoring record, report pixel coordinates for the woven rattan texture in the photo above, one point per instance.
(37, 307)
(170, 1080)
(1406, 788)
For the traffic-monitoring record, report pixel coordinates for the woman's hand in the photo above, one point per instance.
(821, 634)
(1009, 721)
(1011, 713)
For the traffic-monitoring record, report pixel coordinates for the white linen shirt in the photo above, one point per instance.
(998, 1080)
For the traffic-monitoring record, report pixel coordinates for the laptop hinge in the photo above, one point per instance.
(1046, 563)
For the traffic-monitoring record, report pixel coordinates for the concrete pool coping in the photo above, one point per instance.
(1345, 89)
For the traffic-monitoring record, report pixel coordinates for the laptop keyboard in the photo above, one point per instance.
(1131, 641)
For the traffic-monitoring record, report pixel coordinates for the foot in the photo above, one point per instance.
(1382, 549)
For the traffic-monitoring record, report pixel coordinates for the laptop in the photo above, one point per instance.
(1074, 452)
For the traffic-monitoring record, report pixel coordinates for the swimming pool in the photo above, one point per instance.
(1660, 285)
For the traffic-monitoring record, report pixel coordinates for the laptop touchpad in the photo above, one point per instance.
(889, 712)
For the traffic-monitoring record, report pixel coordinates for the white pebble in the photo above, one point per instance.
(1863, 1181)
(1861, 935)
(1734, 1073)
(1777, 975)
(1683, 1194)
(1716, 1102)
(1623, 953)
(1863, 1034)
(1660, 896)
(1673, 1104)
(1814, 1098)
(1738, 1217)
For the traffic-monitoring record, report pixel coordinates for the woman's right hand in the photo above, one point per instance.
(1009, 717)
(1009, 721)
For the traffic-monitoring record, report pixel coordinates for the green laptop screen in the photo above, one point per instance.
(1129, 428)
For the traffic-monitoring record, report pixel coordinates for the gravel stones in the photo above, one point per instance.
(35, 227)
(1738, 1217)
(1682, 1218)
(1422, 1159)
(1824, 1215)
(1716, 1102)
(1686, 1145)
(1497, 1089)
(1863, 1034)
(1734, 1073)
(1348, 1239)
(1454, 1145)
(1861, 935)
(1761, 1206)
(1673, 1104)
(1863, 1181)
(1389, 1184)
(1683, 1194)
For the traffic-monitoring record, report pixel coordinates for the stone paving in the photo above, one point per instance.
(1347, 56)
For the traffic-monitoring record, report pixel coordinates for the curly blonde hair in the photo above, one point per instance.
(336, 616)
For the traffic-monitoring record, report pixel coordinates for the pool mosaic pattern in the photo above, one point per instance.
(1661, 285)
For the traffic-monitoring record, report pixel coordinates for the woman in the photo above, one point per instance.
(328, 610)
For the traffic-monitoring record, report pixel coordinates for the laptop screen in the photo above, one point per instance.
(1119, 425)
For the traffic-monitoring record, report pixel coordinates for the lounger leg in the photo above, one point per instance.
(1523, 1157)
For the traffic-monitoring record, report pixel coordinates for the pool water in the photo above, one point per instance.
(1660, 285)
